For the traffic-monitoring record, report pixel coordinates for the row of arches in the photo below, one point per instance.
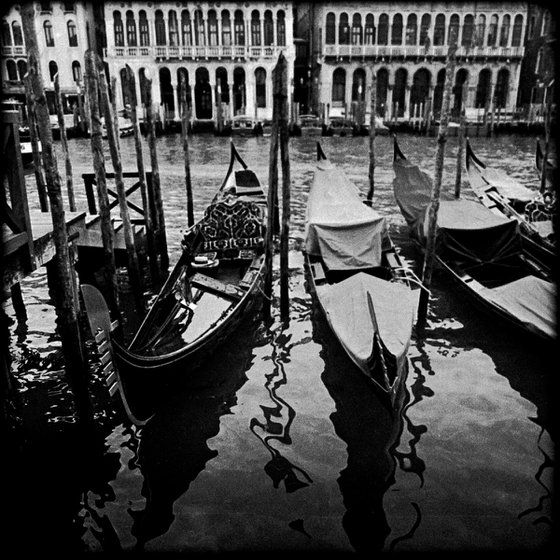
(204, 92)
(420, 88)
(210, 29)
(471, 31)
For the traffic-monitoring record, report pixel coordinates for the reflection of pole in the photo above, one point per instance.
(434, 204)
(185, 134)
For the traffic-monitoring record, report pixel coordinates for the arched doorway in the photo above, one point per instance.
(502, 88)
(399, 92)
(222, 81)
(438, 93)
(202, 94)
(183, 82)
(420, 87)
(166, 92)
(382, 87)
(483, 88)
(239, 99)
(458, 91)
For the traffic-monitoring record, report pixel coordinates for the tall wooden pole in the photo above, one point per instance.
(185, 135)
(158, 218)
(546, 142)
(371, 172)
(64, 143)
(280, 88)
(434, 204)
(460, 145)
(66, 308)
(107, 232)
(134, 275)
(130, 87)
(37, 161)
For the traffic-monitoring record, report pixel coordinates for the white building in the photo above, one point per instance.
(232, 46)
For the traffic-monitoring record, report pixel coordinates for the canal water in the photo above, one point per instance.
(285, 447)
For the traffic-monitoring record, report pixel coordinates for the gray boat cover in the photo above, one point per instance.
(346, 306)
(531, 300)
(505, 185)
(340, 228)
(466, 229)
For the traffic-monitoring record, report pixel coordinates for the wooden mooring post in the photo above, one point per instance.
(130, 88)
(372, 132)
(107, 233)
(460, 145)
(66, 305)
(434, 204)
(547, 113)
(111, 124)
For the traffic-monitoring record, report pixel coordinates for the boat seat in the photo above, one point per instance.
(318, 271)
(215, 286)
(232, 225)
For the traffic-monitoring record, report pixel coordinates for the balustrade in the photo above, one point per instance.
(214, 51)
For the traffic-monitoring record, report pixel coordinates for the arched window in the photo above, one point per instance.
(260, 87)
(212, 28)
(343, 30)
(17, 33)
(330, 29)
(425, 23)
(53, 70)
(453, 34)
(396, 30)
(338, 87)
(222, 81)
(226, 29)
(239, 28)
(173, 28)
(76, 71)
(480, 30)
(502, 88)
(49, 38)
(411, 29)
(118, 29)
(517, 30)
(504, 30)
(268, 28)
(281, 28)
(160, 28)
(357, 37)
(22, 69)
(369, 38)
(383, 30)
(199, 35)
(6, 34)
(186, 32)
(439, 30)
(11, 70)
(493, 31)
(359, 85)
(483, 88)
(131, 39)
(144, 29)
(255, 28)
(468, 28)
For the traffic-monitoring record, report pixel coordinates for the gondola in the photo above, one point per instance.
(534, 211)
(215, 285)
(481, 250)
(366, 292)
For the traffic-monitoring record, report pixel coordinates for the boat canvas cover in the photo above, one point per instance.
(506, 186)
(340, 228)
(465, 228)
(531, 300)
(346, 306)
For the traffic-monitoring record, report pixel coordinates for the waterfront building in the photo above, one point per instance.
(222, 51)
(65, 30)
(406, 45)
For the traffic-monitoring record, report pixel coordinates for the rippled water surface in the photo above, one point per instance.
(286, 447)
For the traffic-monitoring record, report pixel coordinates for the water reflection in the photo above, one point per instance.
(372, 434)
(278, 421)
(174, 447)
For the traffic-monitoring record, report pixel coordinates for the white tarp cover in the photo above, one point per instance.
(346, 307)
(507, 186)
(340, 228)
(529, 299)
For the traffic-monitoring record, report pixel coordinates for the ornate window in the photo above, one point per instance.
(339, 87)
(330, 29)
(186, 32)
(468, 28)
(173, 28)
(53, 70)
(6, 34)
(199, 35)
(397, 30)
(255, 28)
(144, 29)
(411, 29)
(131, 39)
(425, 23)
(260, 86)
(517, 30)
(49, 38)
(118, 29)
(480, 30)
(383, 30)
(212, 28)
(72, 34)
(17, 33)
(453, 33)
(493, 31)
(370, 30)
(504, 30)
(239, 28)
(343, 30)
(76, 71)
(12, 70)
(439, 30)
(268, 28)
(226, 29)
(281, 29)
(160, 28)
(357, 34)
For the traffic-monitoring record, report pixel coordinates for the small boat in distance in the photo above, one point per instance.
(214, 287)
(366, 292)
(533, 210)
(480, 249)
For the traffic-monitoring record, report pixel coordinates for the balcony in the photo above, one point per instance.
(11, 50)
(216, 52)
(412, 51)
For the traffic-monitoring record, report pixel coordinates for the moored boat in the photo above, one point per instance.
(214, 287)
(367, 294)
(533, 210)
(481, 250)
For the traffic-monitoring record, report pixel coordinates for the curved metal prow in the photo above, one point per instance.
(397, 154)
(320, 153)
(470, 155)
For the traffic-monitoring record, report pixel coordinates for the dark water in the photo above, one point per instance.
(286, 447)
